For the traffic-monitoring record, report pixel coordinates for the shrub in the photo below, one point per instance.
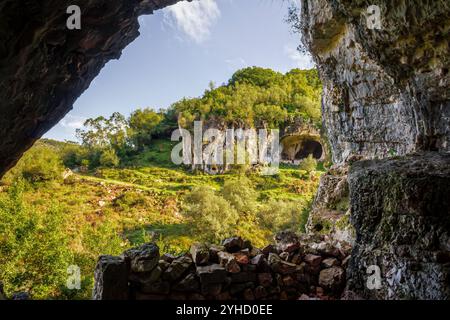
(278, 215)
(39, 164)
(240, 194)
(33, 247)
(212, 216)
(308, 164)
(73, 155)
(109, 158)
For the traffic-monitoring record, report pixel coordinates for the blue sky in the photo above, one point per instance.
(181, 49)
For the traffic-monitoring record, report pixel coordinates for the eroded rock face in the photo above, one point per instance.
(401, 211)
(387, 93)
(44, 67)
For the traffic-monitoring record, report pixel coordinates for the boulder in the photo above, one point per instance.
(158, 287)
(243, 277)
(329, 262)
(111, 279)
(211, 289)
(177, 268)
(233, 244)
(213, 251)
(332, 280)
(189, 283)
(242, 257)
(228, 261)
(312, 259)
(144, 258)
(268, 249)
(260, 292)
(265, 279)
(287, 241)
(200, 254)
(214, 273)
(260, 262)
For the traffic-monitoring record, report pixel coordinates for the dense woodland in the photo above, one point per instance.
(123, 189)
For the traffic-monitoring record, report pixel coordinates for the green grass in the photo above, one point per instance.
(111, 209)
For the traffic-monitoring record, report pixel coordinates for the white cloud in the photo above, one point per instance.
(72, 122)
(302, 61)
(195, 19)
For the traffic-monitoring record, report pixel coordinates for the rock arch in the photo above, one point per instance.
(298, 147)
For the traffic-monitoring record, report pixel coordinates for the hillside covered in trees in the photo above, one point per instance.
(253, 97)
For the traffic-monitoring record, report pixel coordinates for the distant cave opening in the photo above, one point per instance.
(297, 148)
(310, 147)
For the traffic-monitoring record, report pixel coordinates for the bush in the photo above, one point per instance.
(39, 164)
(128, 200)
(240, 194)
(212, 216)
(34, 253)
(109, 158)
(278, 215)
(73, 155)
(308, 164)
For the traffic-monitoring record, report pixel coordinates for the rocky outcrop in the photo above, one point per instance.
(401, 212)
(44, 67)
(330, 212)
(385, 91)
(386, 96)
(296, 267)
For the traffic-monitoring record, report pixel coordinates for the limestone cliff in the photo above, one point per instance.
(386, 94)
(385, 91)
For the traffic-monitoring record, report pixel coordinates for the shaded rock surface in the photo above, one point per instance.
(386, 96)
(44, 67)
(401, 211)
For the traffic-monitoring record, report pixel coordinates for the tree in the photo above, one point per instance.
(256, 76)
(213, 217)
(102, 133)
(143, 124)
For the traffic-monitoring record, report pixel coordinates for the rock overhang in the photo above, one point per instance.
(45, 67)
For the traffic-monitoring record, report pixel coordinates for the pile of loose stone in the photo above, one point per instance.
(294, 268)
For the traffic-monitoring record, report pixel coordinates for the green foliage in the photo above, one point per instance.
(33, 247)
(309, 164)
(102, 133)
(143, 123)
(257, 97)
(73, 155)
(278, 215)
(259, 77)
(241, 195)
(39, 164)
(128, 200)
(212, 216)
(109, 158)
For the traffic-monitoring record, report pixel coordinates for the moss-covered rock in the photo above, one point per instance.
(400, 210)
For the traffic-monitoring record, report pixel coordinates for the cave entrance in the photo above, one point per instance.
(297, 148)
(309, 147)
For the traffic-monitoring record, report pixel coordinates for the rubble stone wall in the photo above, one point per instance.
(294, 268)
